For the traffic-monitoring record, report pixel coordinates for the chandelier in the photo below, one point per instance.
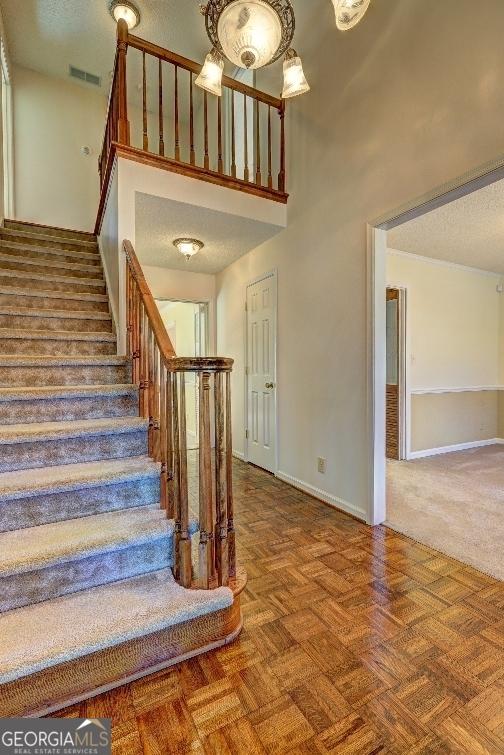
(251, 34)
(349, 12)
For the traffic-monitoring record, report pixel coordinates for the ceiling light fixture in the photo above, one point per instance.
(251, 34)
(210, 77)
(349, 12)
(188, 247)
(126, 10)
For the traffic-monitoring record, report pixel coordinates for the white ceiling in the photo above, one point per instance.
(159, 221)
(468, 231)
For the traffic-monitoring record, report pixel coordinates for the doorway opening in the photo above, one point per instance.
(187, 325)
(437, 371)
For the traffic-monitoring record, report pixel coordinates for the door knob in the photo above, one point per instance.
(269, 385)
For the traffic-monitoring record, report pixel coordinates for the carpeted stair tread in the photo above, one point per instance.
(43, 360)
(68, 477)
(38, 293)
(22, 274)
(13, 248)
(31, 236)
(98, 618)
(56, 335)
(49, 230)
(66, 391)
(36, 548)
(66, 314)
(43, 431)
(51, 265)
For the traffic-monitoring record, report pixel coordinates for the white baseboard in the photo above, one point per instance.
(322, 495)
(450, 449)
(238, 455)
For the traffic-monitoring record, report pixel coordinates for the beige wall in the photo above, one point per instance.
(54, 183)
(391, 115)
(447, 419)
(453, 323)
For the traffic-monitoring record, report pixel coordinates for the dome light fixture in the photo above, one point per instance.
(349, 12)
(126, 10)
(251, 34)
(188, 247)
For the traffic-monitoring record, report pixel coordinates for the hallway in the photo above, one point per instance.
(355, 640)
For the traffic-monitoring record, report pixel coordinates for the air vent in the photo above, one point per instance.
(90, 78)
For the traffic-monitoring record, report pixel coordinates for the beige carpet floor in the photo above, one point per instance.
(454, 503)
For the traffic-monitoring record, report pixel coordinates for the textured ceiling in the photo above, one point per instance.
(226, 237)
(469, 231)
(49, 35)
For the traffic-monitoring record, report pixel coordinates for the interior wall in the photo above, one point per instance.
(453, 343)
(352, 159)
(55, 183)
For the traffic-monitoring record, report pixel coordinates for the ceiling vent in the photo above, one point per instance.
(89, 78)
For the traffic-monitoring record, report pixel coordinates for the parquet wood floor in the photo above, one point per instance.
(356, 640)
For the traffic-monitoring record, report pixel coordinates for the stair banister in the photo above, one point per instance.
(160, 375)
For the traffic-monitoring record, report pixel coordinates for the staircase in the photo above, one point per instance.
(88, 599)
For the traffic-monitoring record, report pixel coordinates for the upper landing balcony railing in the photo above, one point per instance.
(237, 140)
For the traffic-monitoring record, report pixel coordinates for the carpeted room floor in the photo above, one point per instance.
(454, 503)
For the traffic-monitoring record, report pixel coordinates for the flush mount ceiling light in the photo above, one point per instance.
(349, 12)
(251, 34)
(188, 247)
(126, 10)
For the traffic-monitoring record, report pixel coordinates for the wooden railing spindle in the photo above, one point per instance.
(160, 108)
(206, 162)
(233, 136)
(270, 174)
(281, 175)
(176, 118)
(246, 175)
(258, 177)
(192, 153)
(144, 106)
(220, 164)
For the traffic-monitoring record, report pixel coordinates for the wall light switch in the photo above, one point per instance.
(321, 465)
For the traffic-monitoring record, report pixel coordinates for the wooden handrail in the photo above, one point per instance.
(158, 328)
(190, 65)
(161, 378)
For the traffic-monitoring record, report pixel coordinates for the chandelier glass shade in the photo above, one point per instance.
(251, 34)
(349, 12)
(210, 77)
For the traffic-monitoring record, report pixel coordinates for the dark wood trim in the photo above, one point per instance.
(191, 65)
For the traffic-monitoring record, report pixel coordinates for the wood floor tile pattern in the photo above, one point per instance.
(356, 640)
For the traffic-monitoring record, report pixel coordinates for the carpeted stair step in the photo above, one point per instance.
(48, 230)
(99, 618)
(40, 299)
(41, 370)
(64, 403)
(50, 267)
(29, 318)
(55, 342)
(27, 446)
(69, 491)
(27, 251)
(50, 282)
(42, 239)
(45, 562)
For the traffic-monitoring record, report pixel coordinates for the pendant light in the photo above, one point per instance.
(210, 77)
(294, 78)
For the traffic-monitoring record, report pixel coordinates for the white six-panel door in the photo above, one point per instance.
(261, 373)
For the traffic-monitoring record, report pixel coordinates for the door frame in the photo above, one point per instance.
(274, 275)
(403, 385)
(377, 229)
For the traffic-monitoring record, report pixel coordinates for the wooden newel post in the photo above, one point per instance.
(231, 547)
(206, 545)
(185, 565)
(123, 129)
(220, 532)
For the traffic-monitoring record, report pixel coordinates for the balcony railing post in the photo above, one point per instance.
(123, 128)
(281, 175)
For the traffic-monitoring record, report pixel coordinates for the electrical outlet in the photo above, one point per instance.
(321, 465)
